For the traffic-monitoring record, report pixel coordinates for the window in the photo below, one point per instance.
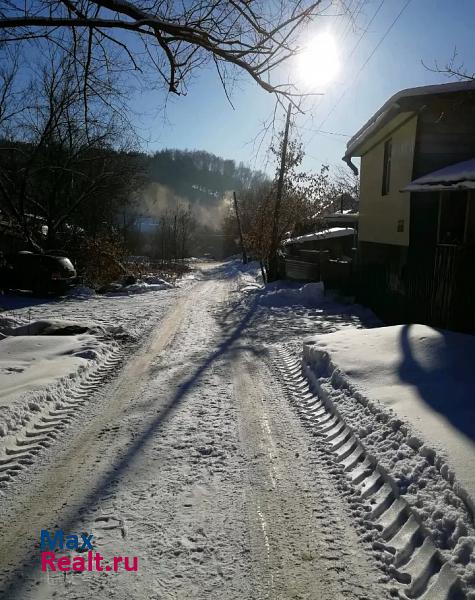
(386, 167)
(452, 218)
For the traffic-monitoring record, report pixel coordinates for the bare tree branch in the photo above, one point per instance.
(254, 38)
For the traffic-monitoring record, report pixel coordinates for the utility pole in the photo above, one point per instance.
(238, 218)
(278, 200)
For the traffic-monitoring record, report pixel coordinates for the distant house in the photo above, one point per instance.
(416, 247)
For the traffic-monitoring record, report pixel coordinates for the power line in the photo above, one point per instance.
(365, 31)
(323, 132)
(352, 15)
(352, 19)
(373, 52)
(353, 50)
(396, 19)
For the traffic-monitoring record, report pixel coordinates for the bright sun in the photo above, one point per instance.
(318, 63)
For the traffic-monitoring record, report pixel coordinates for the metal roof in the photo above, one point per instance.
(460, 176)
(393, 105)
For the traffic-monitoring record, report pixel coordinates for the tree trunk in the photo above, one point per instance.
(273, 270)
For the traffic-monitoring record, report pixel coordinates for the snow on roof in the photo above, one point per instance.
(333, 232)
(460, 176)
(427, 90)
(346, 215)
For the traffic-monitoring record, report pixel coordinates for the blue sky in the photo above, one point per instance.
(428, 31)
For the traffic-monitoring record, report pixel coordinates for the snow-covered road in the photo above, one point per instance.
(192, 460)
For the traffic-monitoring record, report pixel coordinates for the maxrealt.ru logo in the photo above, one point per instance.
(86, 560)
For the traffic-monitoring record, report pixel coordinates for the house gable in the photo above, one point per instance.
(385, 218)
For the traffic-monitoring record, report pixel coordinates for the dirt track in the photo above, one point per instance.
(193, 460)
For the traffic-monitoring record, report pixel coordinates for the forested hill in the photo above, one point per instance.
(199, 176)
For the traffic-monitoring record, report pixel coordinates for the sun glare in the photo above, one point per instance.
(318, 63)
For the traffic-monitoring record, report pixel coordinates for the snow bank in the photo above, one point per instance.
(58, 348)
(421, 375)
(49, 327)
(43, 360)
(407, 394)
(278, 294)
(155, 280)
(141, 287)
(8, 323)
(148, 283)
(30, 363)
(81, 291)
(248, 276)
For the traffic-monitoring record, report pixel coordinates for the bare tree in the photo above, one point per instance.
(172, 38)
(54, 160)
(266, 225)
(173, 235)
(306, 197)
(454, 68)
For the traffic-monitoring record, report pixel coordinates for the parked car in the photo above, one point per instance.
(40, 273)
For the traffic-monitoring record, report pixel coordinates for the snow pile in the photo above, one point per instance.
(51, 327)
(155, 280)
(81, 291)
(148, 283)
(44, 359)
(30, 363)
(407, 392)
(189, 277)
(249, 282)
(37, 370)
(54, 348)
(141, 287)
(310, 294)
(248, 276)
(8, 323)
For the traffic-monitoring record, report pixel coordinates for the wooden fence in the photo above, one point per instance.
(438, 290)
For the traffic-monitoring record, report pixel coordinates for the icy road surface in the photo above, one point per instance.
(192, 459)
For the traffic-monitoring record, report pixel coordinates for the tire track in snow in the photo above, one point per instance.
(301, 541)
(42, 498)
(38, 430)
(407, 550)
(19, 449)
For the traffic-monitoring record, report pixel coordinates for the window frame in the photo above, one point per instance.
(444, 196)
(387, 163)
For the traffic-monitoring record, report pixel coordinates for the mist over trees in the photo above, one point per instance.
(192, 182)
(73, 173)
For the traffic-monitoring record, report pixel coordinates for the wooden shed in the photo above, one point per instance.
(306, 255)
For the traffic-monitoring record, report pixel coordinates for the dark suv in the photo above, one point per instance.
(40, 273)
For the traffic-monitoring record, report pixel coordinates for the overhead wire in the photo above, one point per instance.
(373, 52)
(365, 31)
